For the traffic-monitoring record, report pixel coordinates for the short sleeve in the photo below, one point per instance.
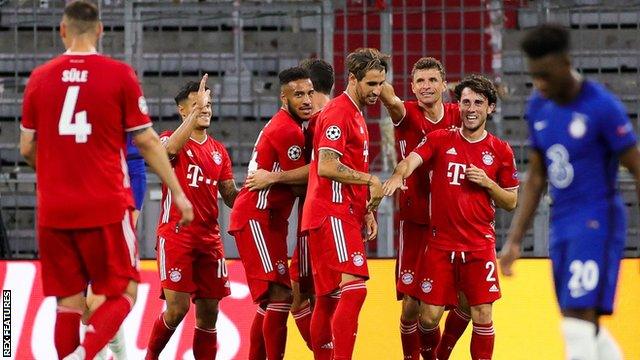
(164, 139)
(427, 147)
(332, 130)
(616, 128)
(226, 173)
(507, 176)
(290, 150)
(135, 105)
(28, 122)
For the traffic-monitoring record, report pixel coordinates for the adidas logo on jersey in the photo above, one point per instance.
(452, 151)
(328, 345)
(494, 288)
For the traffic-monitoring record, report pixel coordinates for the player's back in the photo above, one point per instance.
(580, 142)
(80, 106)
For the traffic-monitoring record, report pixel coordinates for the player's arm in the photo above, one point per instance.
(504, 198)
(394, 105)
(329, 166)
(151, 149)
(181, 135)
(534, 186)
(403, 170)
(262, 179)
(228, 191)
(28, 147)
(630, 159)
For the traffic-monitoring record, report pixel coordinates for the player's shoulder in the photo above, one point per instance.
(451, 108)
(411, 106)
(217, 144)
(440, 134)
(498, 144)
(598, 95)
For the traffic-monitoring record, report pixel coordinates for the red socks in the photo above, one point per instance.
(274, 329)
(345, 319)
(429, 339)
(104, 323)
(205, 344)
(303, 322)
(482, 341)
(159, 338)
(454, 327)
(321, 341)
(256, 342)
(67, 330)
(410, 340)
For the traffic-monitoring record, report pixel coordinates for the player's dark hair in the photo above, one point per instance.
(363, 60)
(82, 14)
(544, 40)
(322, 75)
(292, 74)
(427, 63)
(188, 88)
(480, 85)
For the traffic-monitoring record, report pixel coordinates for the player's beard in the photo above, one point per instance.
(294, 114)
(475, 128)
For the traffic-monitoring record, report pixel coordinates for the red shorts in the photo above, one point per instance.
(336, 247)
(262, 246)
(412, 243)
(300, 266)
(441, 274)
(188, 266)
(106, 256)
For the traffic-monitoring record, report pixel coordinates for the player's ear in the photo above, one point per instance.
(352, 79)
(99, 29)
(283, 98)
(63, 29)
(492, 107)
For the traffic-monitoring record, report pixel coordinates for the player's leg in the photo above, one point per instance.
(257, 350)
(274, 327)
(483, 336)
(177, 303)
(456, 323)
(205, 335)
(63, 277)
(409, 328)
(321, 335)
(301, 312)
(429, 329)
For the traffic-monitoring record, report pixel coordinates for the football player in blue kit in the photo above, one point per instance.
(578, 133)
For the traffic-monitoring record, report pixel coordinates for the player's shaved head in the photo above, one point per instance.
(322, 74)
(427, 63)
(546, 40)
(480, 85)
(81, 17)
(364, 60)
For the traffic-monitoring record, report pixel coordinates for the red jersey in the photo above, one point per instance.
(80, 106)
(409, 131)
(199, 168)
(341, 128)
(308, 136)
(279, 147)
(462, 213)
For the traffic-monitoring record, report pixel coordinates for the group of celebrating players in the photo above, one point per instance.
(452, 175)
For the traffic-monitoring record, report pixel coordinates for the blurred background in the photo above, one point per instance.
(243, 45)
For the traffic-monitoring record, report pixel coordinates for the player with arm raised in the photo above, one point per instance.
(473, 172)
(578, 133)
(191, 259)
(336, 210)
(259, 219)
(413, 120)
(76, 111)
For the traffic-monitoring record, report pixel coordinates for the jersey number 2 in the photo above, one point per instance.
(81, 129)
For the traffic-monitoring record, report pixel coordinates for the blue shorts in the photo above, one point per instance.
(586, 249)
(138, 178)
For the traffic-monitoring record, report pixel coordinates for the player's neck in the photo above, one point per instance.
(575, 85)
(320, 100)
(433, 112)
(199, 135)
(81, 44)
(473, 135)
(351, 92)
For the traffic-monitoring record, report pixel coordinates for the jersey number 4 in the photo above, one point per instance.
(81, 129)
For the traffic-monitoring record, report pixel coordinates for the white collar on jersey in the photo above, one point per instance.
(353, 102)
(484, 135)
(92, 52)
(198, 142)
(441, 115)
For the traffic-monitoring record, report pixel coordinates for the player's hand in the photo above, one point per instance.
(478, 176)
(184, 206)
(259, 179)
(371, 226)
(509, 254)
(376, 193)
(204, 96)
(395, 182)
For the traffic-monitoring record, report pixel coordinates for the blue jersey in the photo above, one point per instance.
(580, 142)
(132, 150)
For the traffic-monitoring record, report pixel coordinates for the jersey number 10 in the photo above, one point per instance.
(81, 129)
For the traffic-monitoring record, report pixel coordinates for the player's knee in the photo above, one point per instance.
(481, 314)
(410, 308)
(206, 313)
(176, 311)
(74, 302)
(279, 293)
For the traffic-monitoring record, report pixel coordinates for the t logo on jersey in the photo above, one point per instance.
(194, 173)
(455, 172)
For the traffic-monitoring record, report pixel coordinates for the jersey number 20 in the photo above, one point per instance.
(81, 129)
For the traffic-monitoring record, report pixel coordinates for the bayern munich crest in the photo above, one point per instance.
(217, 158)
(294, 152)
(407, 277)
(358, 259)
(281, 267)
(426, 286)
(333, 133)
(175, 275)
(487, 158)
